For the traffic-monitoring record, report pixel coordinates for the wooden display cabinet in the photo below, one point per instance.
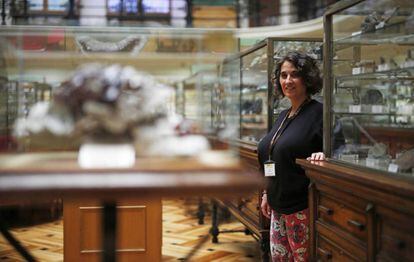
(362, 197)
(359, 215)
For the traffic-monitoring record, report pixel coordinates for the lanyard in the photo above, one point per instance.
(279, 130)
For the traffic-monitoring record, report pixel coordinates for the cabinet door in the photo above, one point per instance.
(139, 230)
(395, 240)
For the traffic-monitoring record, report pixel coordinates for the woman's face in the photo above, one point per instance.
(292, 83)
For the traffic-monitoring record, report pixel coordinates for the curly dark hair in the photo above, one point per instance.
(307, 68)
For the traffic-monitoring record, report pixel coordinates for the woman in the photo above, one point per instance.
(297, 133)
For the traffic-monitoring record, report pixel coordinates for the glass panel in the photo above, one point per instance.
(190, 100)
(208, 81)
(226, 106)
(179, 99)
(253, 106)
(373, 85)
(280, 49)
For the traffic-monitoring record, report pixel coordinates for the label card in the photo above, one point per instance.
(393, 168)
(269, 168)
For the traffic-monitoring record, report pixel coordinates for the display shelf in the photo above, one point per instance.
(363, 114)
(390, 34)
(389, 75)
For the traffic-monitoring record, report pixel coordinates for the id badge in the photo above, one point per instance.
(270, 168)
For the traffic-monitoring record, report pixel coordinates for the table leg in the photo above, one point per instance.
(15, 243)
(109, 232)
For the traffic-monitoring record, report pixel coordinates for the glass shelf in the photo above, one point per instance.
(394, 74)
(389, 34)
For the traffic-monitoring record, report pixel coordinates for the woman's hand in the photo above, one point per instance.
(318, 156)
(264, 206)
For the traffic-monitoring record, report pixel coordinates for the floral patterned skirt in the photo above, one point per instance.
(289, 236)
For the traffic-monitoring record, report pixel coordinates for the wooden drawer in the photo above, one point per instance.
(349, 244)
(395, 236)
(345, 217)
(328, 251)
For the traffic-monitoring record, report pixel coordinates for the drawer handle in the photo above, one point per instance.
(401, 244)
(326, 210)
(326, 254)
(356, 224)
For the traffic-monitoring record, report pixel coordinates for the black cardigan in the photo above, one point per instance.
(287, 192)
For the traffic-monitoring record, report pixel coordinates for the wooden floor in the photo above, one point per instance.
(181, 233)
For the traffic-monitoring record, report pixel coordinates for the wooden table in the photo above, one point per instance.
(38, 176)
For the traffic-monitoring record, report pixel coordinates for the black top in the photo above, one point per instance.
(287, 192)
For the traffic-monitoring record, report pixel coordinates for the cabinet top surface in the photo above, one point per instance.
(48, 175)
(394, 184)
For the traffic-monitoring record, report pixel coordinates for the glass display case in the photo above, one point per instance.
(61, 82)
(259, 105)
(37, 61)
(253, 93)
(196, 97)
(210, 97)
(369, 102)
